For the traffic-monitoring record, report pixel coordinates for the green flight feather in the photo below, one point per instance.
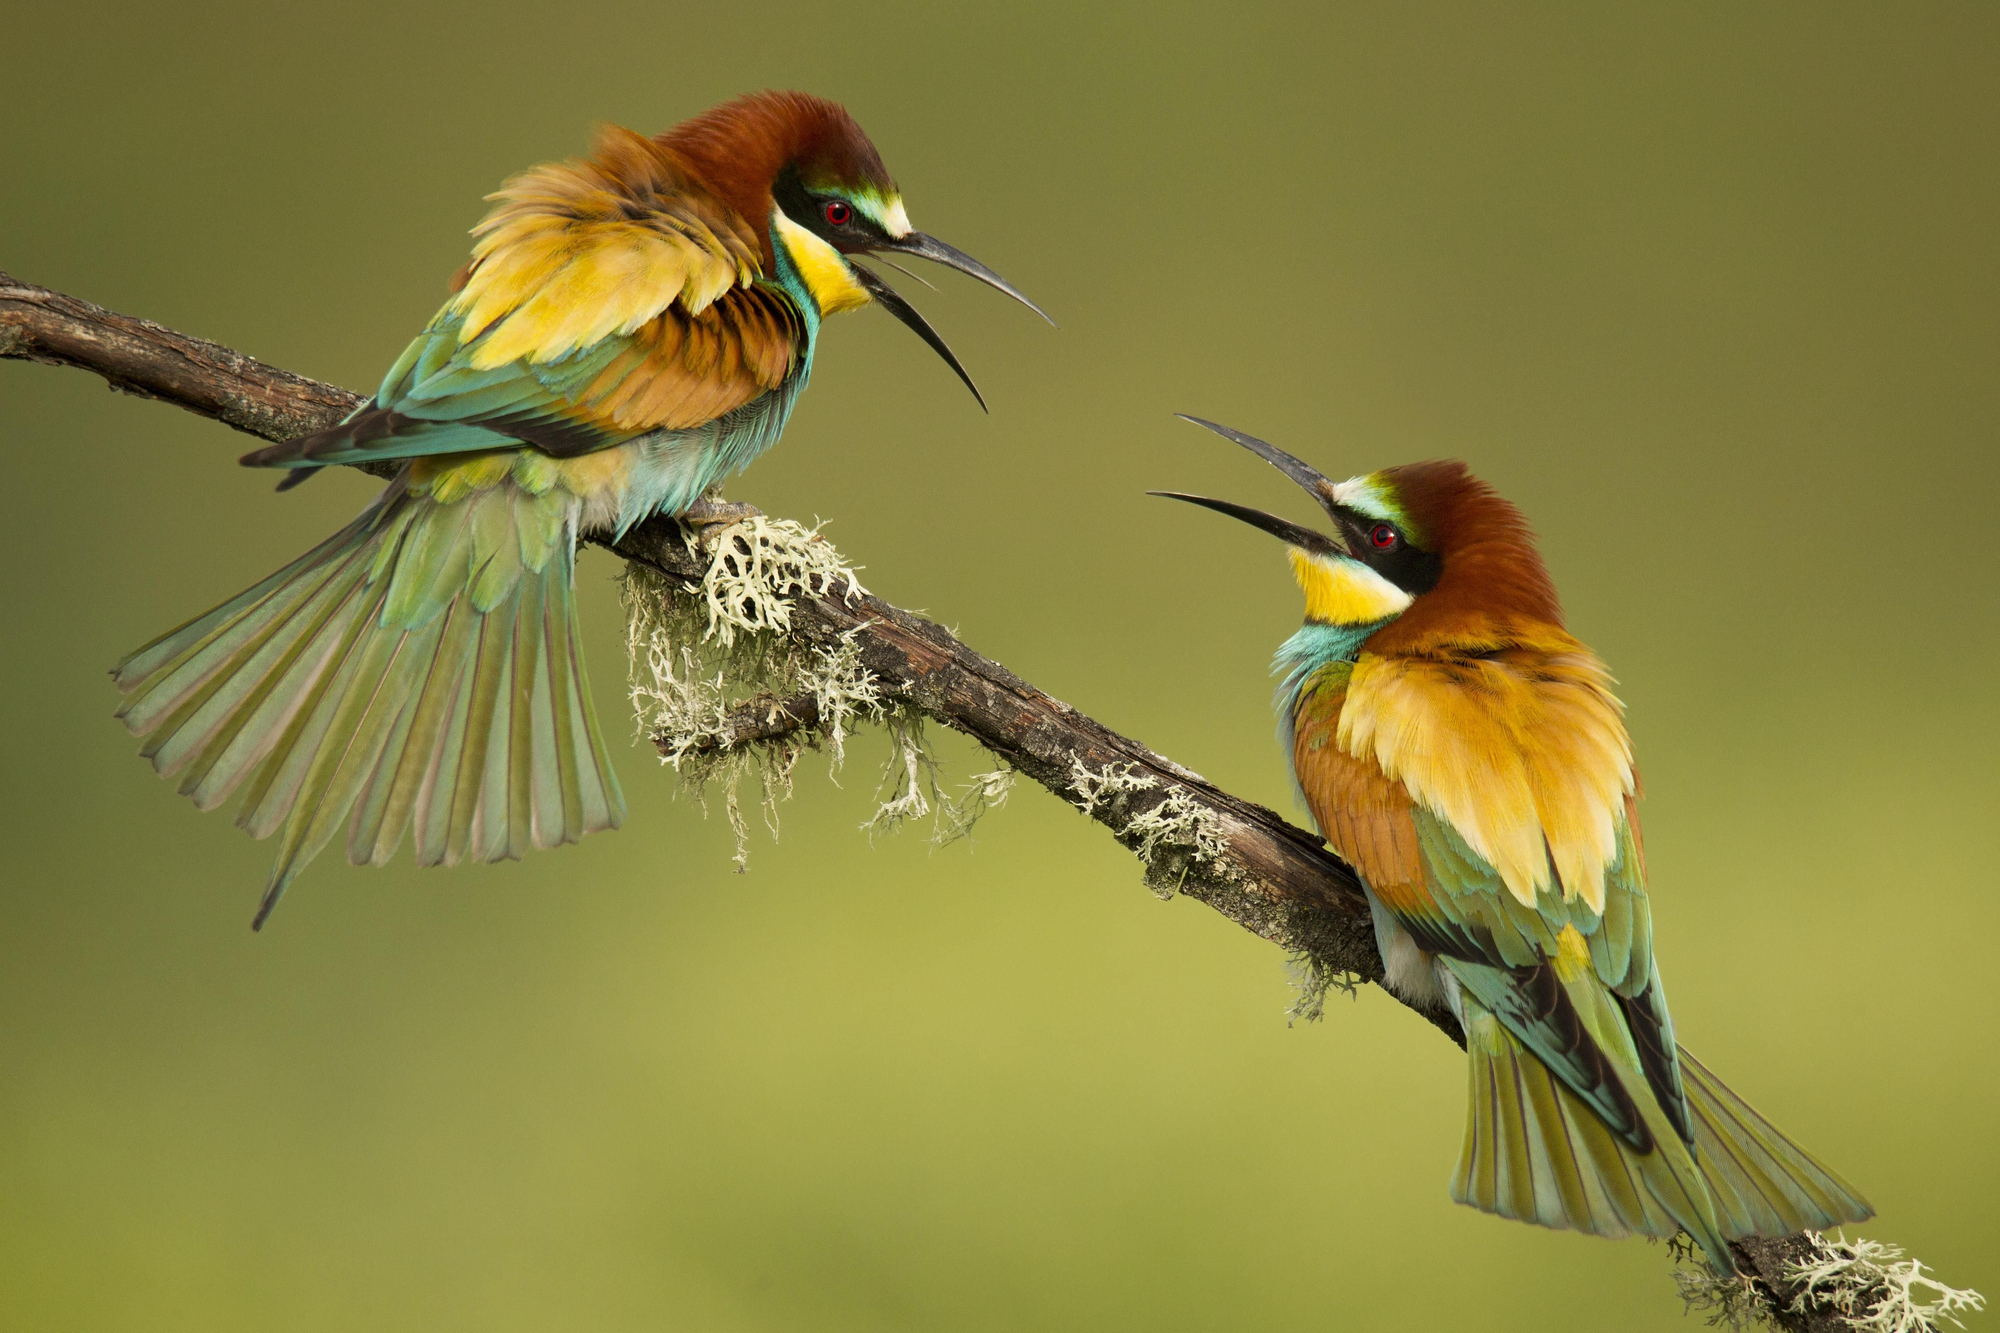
(203, 739)
(474, 733)
(439, 786)
(1498, 948)
(1564, 1027)
(418, 672)
(392, 805)
(1537, 1152)
(365, 844)
(1585, 1113)
(1763, 1183)
(434, 401)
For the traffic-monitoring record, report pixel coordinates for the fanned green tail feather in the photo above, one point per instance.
(1763, 1184)
(1536, 1151)
(418, 671)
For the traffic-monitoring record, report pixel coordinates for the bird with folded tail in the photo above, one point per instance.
(632, 327)
(1465, 755)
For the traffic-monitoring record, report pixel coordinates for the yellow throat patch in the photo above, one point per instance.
(826, 274)
(1344, 592)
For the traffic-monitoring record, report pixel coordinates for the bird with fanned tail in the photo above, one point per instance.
(1464, 753)
(632, 327)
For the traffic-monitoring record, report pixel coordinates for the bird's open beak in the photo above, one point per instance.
(1292, 534)
(931, 248)
(892, 301)
(1282, 528)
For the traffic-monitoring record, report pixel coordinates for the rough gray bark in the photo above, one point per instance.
(1272, 878)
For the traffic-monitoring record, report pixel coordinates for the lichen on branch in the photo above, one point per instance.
(1172, 834)
(1826, 1282)
(1875, 1288)
(726, 692)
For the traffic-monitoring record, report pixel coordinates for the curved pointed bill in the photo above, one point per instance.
(892, 301)
(1298, 470)
(1292, 534)
(931, 248)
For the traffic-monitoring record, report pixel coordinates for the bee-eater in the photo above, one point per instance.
(632, 327)
(1465, 755)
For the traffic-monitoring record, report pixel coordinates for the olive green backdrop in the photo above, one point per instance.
(1710, 290)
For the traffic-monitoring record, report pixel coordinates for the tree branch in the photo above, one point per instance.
(1270, 877)
(762, 719)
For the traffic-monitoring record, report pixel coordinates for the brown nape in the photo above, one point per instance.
(1494, 591)
(737, 149)
(631, 178)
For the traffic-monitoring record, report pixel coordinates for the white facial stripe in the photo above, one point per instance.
(894, 220)
(1362, 496)
(887, 214)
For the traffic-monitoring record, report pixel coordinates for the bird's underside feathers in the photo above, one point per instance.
(607, 298)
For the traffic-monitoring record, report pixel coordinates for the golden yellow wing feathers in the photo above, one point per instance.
(680, 369)
(578, 251)
(1364, 813)
(1524, 752)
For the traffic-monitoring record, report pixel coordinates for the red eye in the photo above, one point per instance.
(1382, 536)
(837, 214)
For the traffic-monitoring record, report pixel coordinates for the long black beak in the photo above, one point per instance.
(892, 301)
(931, 248)
(1292, 534)
(1299, 471)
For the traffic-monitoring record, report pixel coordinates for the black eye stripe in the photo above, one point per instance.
(1411, 568)
(808, 208)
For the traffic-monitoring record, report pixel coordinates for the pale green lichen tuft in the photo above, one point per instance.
(759, 567)
(984, 792)
(1173, 837)
(1108, 788)
(1734, 1302)
(1866, 1284)
(705, 661)
(1312, 979)
(909, 786)
(1876, 1289)
(912, 787)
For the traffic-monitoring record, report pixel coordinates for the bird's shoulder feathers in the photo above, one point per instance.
(1397, 759)
(574, 252)
(1521, 748)
(606, 298)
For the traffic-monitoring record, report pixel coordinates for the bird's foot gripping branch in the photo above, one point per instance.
(812, 640)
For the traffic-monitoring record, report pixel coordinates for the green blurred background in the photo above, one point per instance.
(1710, 290)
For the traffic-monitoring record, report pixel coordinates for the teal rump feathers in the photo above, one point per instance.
(418, 672)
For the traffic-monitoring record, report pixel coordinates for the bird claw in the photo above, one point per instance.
(708, 518)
